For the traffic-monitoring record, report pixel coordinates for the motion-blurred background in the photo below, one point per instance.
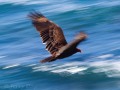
(21, 49)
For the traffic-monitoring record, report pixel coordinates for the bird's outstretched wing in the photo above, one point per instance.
(51, 34)
(72, 46)
(79, 38)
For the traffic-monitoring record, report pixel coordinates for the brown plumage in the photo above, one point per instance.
(52, 35)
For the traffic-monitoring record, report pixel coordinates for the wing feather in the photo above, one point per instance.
(78, 39)
(51, 34)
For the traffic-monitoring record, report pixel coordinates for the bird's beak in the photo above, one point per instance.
(79, 50)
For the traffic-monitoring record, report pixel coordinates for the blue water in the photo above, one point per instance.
(21, 49)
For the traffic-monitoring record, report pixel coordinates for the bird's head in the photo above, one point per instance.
(78, 50)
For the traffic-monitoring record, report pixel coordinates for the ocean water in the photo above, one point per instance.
(21, 49)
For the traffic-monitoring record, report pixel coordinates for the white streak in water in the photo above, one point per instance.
(31, 65)
(105, 56)
(24, 2)
(71, 70)
(10, 66)
(2, 57)
(73, 67)
(110, 68)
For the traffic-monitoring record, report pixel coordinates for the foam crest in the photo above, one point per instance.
(11, 66)
(110, 68)
(72, 68)
(105, 56)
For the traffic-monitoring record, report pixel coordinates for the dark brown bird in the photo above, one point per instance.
(52, 35)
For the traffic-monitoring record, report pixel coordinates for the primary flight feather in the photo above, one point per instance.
(52, 35)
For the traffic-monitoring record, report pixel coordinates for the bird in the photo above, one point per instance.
(53, 37)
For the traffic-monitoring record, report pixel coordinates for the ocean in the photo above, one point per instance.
(21, 48)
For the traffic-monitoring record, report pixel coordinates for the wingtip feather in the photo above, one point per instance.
(34, 15)
(81, 35)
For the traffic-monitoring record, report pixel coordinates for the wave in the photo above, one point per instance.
(63, 5)
(109, 67)
(94, 3)
(21, 47)
(23, 2)
(89, 70)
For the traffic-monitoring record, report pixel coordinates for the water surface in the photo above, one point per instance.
(21, 49)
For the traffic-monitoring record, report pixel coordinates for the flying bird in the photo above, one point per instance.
(52, 35)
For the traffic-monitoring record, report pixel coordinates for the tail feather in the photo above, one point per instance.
(49, 59)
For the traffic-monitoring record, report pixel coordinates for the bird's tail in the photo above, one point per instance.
(49, 59)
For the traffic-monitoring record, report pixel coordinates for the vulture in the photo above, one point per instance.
(52, 36)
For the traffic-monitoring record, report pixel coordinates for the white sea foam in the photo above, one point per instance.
(10, 66)
(31, 65)
(110, 68)
(43, 68)
(72, 68)
(105, 56)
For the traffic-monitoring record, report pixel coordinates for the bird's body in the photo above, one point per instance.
(52, 35)
(66, 53)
